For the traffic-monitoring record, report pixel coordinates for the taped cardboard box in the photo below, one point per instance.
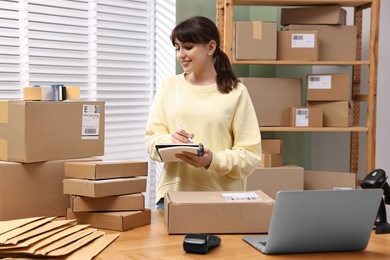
(274, 179)
(329, 15)
(336, 113)
(104, 188)
(255, 40)
(119, 221)
(96, 170)
(217, 212)
(328, 87)
(298, 45)
(335, 42)
(34, 131)
(272, 146)
(273, 97)
(306, 117)
(32, 190)
(112, 203)
(326, 180)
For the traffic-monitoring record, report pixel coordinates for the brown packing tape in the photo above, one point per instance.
(257, 30)
(3, 149)
(72, 92)
(3, 112)
(32, 93)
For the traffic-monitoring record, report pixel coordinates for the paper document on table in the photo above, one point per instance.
(167, 152)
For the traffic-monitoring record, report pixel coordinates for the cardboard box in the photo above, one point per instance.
(120, 221)
(217, 212)
(104, 188)
(112, 203)
(273, 97)
(272, 146)
(35, 131)
(271, 160)
(105, 169)
(328, 87)
(272, 180)
(329, 15)
(255, 40)
(32, 190)
(298, 45)
(306, 117)
(336, 113)
(324, 180)
(335, 42)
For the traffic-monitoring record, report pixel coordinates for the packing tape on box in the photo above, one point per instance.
(3, 149)
(257, 32)
(32, 93)
(3, 112)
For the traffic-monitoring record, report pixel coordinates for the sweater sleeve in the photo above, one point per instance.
(157, 128)
(244, 156)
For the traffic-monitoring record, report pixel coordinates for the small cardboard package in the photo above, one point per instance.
(272, 146)
(255, 40)
(96, 170)
(120, 221)
(336, 113)
(35, 131)
(325, 180)
(217, 212)
(327, 14)
(271, 160)
(111, 203)
(306, 117)
(328, 87)
(104, 188)
(298, 45)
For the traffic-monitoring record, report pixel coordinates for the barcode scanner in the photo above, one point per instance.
(200, 243)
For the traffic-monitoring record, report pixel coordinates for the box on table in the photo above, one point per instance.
(272, 146)
(273, 97)
(34, 131)
(306, 117)
(271, 160)
(298, 45)
(328, 87)
(329, 15)
(104, 188)
(336, 113)
(255, 40)
(111, 203)
(120, 221)
(324, 180)
(335, 42)
(96, 170)
(32, 190)
(274, 179)
(217, 212)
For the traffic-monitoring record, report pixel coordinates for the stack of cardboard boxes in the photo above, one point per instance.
(36, 139)
(107, 194)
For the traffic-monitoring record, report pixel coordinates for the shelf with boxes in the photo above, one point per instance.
(325, 35)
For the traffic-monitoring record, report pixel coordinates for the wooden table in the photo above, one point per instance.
(153, 242)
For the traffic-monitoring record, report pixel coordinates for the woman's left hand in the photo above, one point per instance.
(195, 160)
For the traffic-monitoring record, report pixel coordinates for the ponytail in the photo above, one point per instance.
(226, 79)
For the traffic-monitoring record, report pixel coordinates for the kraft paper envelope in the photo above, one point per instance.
(9, 225)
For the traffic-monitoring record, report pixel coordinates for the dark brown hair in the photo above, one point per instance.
(199, 29)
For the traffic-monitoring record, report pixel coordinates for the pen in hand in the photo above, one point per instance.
(189, 138)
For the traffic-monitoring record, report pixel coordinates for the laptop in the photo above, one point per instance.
(319, 221)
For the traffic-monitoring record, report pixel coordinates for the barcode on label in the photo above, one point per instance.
(312, 78)
(242, 196)
(302, 112)
(297, 37)
(90, 131)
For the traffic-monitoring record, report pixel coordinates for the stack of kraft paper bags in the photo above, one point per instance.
(37, 140)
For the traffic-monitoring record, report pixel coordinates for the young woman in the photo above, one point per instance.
(206, 104)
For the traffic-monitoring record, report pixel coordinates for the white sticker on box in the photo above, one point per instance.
(303, 40)
(241, 196)
(320, 82)
(91, 121)
(302, 117)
